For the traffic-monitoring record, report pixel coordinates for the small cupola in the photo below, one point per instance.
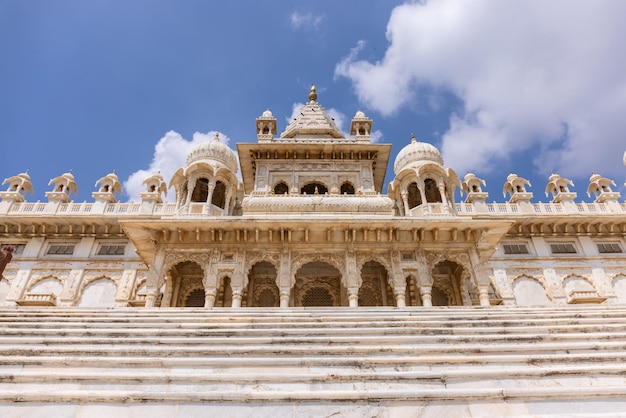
(18, 186)
(600, 187)
(361, 127)
(473, 187)
(63, 187)
(515, 186)
(265, 126)
(558, 187)
(108, 187)
(155, 188)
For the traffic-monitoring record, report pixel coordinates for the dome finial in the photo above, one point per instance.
(413, 138)
(217, 137)
(312, 93)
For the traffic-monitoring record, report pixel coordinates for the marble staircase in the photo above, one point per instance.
(480, 361)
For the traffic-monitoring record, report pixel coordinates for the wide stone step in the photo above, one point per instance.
(417, 349)
(351, 394)
(304, 336)
(267, 374)
(279, 357)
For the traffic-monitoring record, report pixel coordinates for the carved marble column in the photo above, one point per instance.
(285, 279)
(210, 280)
(483, 295)
(237, 294)
(444, 198)
(156, 277)
(353, 297)
(405, 201)
(151, 298)
(284, 297)
(166, 302)
(400, 294)
(427, 300)
(209, 297)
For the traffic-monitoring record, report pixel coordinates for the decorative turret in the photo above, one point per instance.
(155, 187)
(559, 188)
(601, 188)
(361, 127)
(63, 187)
(421, 180)
(18, 186)
(515, 186)
(109, 186)
(208, 184)
(472, 186)
(265, 126)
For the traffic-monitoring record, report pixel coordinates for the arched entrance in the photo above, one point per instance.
(262, 289)
(318, 284)
(448, 287)
(187, 287)
(375, 289)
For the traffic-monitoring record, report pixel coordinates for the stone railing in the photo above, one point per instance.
(438, 209)
(584, 296)
(84, 208)
(38, 299)
(202, 209)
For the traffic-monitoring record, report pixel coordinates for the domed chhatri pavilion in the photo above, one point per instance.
(310, 225)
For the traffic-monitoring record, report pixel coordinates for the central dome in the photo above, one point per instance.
(214, 150)
(414, 152)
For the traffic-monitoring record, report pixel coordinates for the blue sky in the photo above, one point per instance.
(498, 86)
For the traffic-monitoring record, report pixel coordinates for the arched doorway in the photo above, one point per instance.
(448, 287)
(318, 284)
(375, 289)
(262, 288)
(187, 286)
(201, 190)
(314, 188)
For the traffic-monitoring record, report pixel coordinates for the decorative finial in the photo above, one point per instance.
(413, 138)
(217, 137)
(312, 93)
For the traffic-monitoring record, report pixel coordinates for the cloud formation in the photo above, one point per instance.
(305, 20)
(534, 74)
(170, 153)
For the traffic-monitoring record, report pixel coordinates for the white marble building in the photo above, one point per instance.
(313, 224)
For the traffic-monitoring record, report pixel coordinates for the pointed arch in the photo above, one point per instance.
(619, 287)
(98, 292)
(530, 291)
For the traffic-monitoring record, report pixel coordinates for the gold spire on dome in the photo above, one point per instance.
(217, 137)
(413, 138)
(312, 93)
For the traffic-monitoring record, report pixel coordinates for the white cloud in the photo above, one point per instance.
(376, 136)
(305, 20)
(170, 154)
(544, 74)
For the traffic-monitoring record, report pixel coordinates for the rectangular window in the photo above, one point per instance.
(609, 248)
(17, 248)
(563, 248)
(61, 249)
(112, 250)
(515, 249)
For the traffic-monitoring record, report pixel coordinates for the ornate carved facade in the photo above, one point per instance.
(310, 225)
